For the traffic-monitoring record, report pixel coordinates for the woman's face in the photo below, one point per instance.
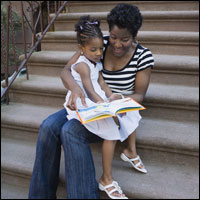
(120, 41)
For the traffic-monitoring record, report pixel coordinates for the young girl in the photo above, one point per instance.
(87, 73)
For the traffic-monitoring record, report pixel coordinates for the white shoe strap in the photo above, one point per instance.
(139, 163)
(113, 190)
(110, 185)
(134, 159)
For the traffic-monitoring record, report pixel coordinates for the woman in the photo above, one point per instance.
(127, 68)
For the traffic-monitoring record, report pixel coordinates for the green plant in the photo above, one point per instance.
(17, 26)
(16, 17)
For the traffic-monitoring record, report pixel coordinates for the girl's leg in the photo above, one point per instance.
(79, 167)
(108, 148)
(130, 151)
(45, 174)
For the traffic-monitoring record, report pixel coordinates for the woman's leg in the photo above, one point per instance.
(79, 167)
(45, 174)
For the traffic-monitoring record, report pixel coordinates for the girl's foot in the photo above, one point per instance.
(133, 155)
(104, 185)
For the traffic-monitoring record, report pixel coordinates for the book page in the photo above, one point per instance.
(95, 111)
(103, 110)
(125, 105)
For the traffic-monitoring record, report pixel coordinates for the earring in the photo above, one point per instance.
(81, 53)
(135, 43)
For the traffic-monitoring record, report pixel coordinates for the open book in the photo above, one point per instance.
(104, 110)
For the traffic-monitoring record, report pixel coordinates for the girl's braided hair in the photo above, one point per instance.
(87, 28)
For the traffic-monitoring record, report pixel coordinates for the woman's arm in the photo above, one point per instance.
(66, 75)
(104, 85)
(141, 84)
(70, 83)
(84, 71)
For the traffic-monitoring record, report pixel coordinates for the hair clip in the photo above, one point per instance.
(92, 22)
(81, 27)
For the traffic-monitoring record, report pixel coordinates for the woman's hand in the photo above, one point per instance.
(100, 101)
(114, 96)
(76, 93)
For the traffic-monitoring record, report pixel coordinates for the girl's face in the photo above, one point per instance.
(120, 41)
(93, 49)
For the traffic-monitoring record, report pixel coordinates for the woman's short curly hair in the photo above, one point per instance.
(125, 16)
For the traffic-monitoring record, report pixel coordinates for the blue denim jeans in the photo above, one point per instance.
(80, 178)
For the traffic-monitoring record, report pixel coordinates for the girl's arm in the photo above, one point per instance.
(84, 71)
(70, 83)
(104, 85)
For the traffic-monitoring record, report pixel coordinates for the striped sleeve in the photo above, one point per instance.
(145, 60)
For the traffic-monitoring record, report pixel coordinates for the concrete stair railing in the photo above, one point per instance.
(167, 138)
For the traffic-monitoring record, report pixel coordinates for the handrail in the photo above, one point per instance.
(32, 49)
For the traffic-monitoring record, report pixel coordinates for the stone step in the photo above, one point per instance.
(168, 69)
(168, 135)
(152, 20)
(173, 69)
(11, 191)
(48, 63)
(153, 133)
(43, 90)
(38, 90)
(99, 6)
(16, 124)
(50, 90)
(20, 188)
(173, 95)
(159, 42)
(16, 174)
(172, 178)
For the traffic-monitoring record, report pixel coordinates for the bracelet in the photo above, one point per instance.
(121, 95)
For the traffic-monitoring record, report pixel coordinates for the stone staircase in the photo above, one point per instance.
(168, 135)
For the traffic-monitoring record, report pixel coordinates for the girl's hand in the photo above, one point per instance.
(122, 114)
(116, 120)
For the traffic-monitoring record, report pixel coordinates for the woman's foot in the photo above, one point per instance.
(133, 155)
(104, 183)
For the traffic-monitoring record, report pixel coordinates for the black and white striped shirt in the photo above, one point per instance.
(123, 81)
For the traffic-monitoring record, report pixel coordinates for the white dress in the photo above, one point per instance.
(104, 128)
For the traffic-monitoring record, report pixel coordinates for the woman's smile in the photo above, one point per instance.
(117, 50)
